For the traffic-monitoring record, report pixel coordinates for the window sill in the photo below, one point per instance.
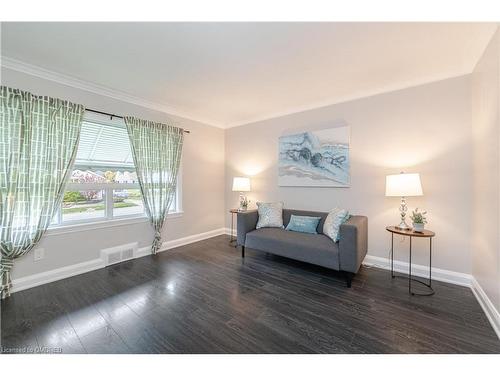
(93, 225)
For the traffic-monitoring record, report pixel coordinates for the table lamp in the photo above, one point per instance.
(242, 184)
(403, 185)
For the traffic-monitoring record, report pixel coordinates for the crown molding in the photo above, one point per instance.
(67, 80)
(37, 71)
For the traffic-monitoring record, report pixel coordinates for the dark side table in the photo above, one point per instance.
(410, 233)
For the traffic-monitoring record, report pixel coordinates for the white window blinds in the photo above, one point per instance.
(103, 146)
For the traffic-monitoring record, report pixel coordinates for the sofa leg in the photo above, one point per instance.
(348, 278)
(242, 251)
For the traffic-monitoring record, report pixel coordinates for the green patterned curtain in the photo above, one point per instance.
(38, 143)
(156, 149)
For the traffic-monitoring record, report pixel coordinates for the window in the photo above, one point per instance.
(103, 185)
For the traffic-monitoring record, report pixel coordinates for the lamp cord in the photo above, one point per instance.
(378, 265)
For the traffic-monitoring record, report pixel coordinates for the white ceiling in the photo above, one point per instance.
(228, 74)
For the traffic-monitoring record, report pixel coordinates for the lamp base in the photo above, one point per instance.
(402, 210)
(403, 226)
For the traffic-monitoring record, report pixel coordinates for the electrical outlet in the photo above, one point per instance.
(39, 254)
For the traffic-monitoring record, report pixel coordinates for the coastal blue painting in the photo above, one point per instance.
(315, 158)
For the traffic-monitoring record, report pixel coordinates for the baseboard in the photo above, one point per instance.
(167, 245)
(439, 274)
(41, 278)
(228, 232)
(489, 309)
(446, 276)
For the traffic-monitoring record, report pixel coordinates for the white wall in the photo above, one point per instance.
(486, 163)
(424, 129)
(203, 183)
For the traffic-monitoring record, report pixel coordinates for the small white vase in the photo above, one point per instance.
(418, 227)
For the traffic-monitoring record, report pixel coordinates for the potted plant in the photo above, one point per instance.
(419, 220)
(243, 203)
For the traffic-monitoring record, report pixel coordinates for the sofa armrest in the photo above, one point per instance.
(353, 243)
(246, 222)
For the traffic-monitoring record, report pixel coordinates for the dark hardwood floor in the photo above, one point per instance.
(204, 298)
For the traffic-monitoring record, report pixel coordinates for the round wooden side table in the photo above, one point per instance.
(410, 233)
(232, 238)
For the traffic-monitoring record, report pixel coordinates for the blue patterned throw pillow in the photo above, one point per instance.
(304, 224)
(333, 221)
(270, 215)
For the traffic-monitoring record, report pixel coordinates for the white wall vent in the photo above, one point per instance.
(119, 254)
(128, 254)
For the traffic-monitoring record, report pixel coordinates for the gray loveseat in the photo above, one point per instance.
(345, 256)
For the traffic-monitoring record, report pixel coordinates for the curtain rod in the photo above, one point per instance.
(113, 115)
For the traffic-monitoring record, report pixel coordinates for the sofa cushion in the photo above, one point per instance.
(287, 215)
(312, 248)
(304, 224)
(270, 214)
(333, 221)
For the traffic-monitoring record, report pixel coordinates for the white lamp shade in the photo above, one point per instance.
(403, 185)
(241, 184)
